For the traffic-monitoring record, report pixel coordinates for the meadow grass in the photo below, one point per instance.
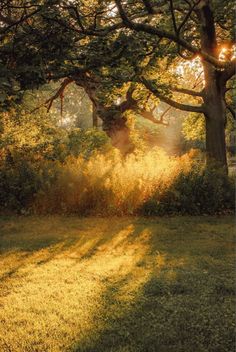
(108, 183)
(118, 284)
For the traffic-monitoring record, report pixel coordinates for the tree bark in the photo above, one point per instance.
(94, 115)
(214, 91)
(114, 123)
(115, 127)
(215, 117)
(215, 138)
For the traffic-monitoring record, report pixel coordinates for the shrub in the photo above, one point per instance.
(31, 149)
(78, 171)
(18, 184)
(199, 191)
(85, 142)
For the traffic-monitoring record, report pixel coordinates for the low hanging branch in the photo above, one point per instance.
(59, 94)
(169, 101)
(149, 115)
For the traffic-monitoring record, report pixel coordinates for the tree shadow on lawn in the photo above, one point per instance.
(154, 293)
(21, 246)
(165, 317)
(64, 291)
(179, 307)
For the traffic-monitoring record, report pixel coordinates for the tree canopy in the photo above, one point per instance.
(126, 55)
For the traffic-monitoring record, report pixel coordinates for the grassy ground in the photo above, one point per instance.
(131, 284)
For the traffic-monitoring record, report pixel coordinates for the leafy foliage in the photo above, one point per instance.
(194, 127)
(31, 149)
(199, 191)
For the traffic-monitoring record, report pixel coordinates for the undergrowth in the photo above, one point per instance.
(150, 183)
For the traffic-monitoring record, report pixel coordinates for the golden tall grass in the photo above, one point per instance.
(108, 183)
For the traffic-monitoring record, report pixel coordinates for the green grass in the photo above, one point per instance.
(121, 284)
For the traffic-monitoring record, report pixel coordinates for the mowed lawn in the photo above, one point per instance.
(119, 284)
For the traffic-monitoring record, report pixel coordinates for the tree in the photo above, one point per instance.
(189, 29)
(49, 48)
(105, 46)
(193, 29)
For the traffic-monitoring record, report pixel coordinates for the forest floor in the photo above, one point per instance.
(117, 285)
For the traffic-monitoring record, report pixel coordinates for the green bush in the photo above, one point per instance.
(85, 142)
(199, 191)
(31, 149)
(18, 184)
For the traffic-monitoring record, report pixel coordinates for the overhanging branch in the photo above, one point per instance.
(193, 93)
(143, 27)
(169, 101)
(149, 115)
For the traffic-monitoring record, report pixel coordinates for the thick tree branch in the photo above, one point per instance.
(193, 93)
(207, 27)
(143, 27)
(131, 104)
(169, 101)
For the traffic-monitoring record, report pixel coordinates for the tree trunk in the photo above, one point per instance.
(116, 129)
(214, 91)
(95, 116)
(215, 140)
(114, 124)
(215, 116)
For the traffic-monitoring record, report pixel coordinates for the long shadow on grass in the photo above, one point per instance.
(177, 309)
(167, 318)
(41, 248)
(162, 322)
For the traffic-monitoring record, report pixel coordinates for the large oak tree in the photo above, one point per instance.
(196, 28)
(103, 44)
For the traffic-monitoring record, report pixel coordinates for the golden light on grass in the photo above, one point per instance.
(70, 284)
(51, 295)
